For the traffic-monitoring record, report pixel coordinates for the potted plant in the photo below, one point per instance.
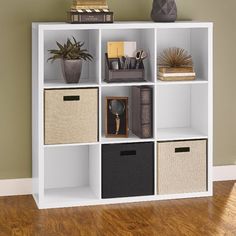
(72, 56)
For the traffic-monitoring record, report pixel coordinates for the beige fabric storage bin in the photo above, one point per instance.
(71, 116)
(181, 167)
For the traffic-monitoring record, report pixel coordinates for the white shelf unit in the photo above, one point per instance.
(68, 175)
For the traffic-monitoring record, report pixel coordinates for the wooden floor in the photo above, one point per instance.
(204, 216)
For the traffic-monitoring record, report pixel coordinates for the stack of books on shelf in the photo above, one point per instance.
(176, 73)
(85, 11)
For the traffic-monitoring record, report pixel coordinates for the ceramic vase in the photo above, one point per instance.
(164, 11)
(71, 70)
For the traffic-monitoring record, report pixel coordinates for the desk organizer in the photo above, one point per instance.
(123, 75)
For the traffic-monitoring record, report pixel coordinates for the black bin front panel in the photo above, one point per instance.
(127, 170)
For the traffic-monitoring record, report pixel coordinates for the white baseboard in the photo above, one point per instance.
(11, 187)
(224, 173)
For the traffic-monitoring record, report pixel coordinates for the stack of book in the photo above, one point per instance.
(142, 111)
(176, 73)
(85, 11)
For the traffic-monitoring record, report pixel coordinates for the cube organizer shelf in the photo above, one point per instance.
(93, 173)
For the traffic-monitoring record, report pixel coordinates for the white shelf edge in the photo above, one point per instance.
(131, 139)
(104, 84)
(69, 145)
(197, 81)
(51, 84)
(125, 200)
(115, 141)
(69, 194)
(182, 138)
(177, 134)
(121, 25)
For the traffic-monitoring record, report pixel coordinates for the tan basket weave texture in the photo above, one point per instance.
(183, 172)
(71, 121)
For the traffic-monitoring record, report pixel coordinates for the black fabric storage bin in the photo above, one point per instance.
(127, 170)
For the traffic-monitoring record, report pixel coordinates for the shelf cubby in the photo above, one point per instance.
(90, 71)
(182, 112)
(143, 37)
(194, 40)
(121, 91)
(71, 174)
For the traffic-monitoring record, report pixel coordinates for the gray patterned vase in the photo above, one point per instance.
(71, 70)
(164, 11)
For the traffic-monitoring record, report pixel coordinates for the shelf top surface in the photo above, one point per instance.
(50, 84)
(121, 25)
(53, 84)
(197, 81)
(131, 139)
(184, 133)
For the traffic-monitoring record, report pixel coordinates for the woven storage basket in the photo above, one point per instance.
(71, 116)
(181, 167)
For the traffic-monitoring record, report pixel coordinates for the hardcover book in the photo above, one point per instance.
(176, 73)
(90, 16)
(142, 111)
(89, 4)
(186, 69)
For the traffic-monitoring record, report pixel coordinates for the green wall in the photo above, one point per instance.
(15, 71)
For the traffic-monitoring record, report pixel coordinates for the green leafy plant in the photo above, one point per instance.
(71, 50)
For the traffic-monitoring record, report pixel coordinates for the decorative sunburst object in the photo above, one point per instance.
(175, 57)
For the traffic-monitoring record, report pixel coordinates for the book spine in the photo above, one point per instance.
(87, 17)
(176, 74)
(146, 112)
(105, 8)
(179, 78)
(142, 111)
(176, 69)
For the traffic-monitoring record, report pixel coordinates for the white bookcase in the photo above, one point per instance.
(70, 175)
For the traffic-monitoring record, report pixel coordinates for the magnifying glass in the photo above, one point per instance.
(117, 108)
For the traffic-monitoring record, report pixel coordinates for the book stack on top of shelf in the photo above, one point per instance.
(84, 11)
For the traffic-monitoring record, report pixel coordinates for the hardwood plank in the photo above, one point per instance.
(204, 216)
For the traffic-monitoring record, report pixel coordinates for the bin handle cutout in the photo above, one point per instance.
(71, 98)
(128, 153)
(182, 149)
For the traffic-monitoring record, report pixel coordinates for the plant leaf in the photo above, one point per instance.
(71, 50)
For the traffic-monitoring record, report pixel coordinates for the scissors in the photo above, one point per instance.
(140, 56)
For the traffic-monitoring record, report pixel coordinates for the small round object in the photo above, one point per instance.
(116, 107)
